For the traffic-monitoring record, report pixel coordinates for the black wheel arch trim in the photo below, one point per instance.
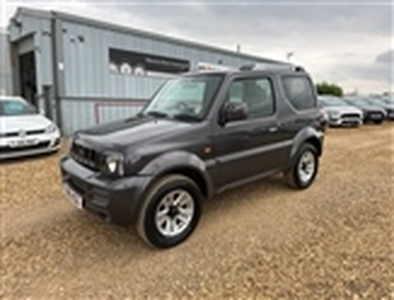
(183, 163)
(307, 135)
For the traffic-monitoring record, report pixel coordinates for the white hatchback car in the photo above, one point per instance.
(24, 131)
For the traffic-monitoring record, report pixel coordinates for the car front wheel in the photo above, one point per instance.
(304, 167)
(170, 212)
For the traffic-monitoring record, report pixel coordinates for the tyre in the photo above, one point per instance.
(170, 212)
(304, 167)
(378, 121)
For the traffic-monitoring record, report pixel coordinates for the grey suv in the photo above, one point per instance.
(201, 134)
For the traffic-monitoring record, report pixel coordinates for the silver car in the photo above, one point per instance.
(339, 113)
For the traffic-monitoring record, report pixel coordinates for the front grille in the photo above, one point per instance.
(85, 156)
(350, 122)
(7, 149)
(39, 131)
(374, 114)
(351, 116)
(29, 132)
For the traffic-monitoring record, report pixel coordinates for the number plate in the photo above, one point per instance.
(23, 143)
(74, 197)
(375, 116)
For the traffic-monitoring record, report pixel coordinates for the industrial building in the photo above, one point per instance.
(82, 72)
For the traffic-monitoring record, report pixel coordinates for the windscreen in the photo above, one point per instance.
(185, 97)
(16, 107)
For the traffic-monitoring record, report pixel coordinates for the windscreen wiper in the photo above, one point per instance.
(156, 114)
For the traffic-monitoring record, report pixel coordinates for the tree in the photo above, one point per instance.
(325, 88)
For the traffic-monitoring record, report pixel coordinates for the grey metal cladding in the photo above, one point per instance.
(5, 66)
(45, 53)
(83, 114)
(39, 30)
(151, 36)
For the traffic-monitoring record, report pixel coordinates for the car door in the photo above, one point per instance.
(253, 146)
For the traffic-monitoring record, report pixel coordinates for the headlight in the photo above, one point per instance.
(334, 114)
(113, 163)
(51, 128)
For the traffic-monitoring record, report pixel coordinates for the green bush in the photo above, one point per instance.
(325, 88)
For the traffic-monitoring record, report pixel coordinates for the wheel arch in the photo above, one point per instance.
(182, 163)
(308, 135)
(314, 141)
(189, 172)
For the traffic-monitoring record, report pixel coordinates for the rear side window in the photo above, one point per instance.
(299, 92)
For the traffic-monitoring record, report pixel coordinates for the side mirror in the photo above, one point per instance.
(234, 112)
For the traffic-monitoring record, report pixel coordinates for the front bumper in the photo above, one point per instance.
(374, 116)
(390, 115)
(44, 143)
(345, 121)
(114, 200)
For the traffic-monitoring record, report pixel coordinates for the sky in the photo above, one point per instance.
(349, 42)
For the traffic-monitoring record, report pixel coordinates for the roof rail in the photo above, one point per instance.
(270, 67)
(206, 67)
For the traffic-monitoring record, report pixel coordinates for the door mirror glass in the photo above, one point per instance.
(235, 112)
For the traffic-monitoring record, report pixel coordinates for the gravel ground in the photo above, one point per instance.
(332, 241)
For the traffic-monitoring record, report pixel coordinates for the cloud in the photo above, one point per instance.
(376, 74)
(385, 57)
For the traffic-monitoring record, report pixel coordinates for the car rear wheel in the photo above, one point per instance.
(170, 212)
(304, 167)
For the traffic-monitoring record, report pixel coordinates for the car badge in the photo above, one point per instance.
(22, 133)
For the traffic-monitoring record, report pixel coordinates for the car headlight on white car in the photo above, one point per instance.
(113, 163)
(334, 114)
(51, 128)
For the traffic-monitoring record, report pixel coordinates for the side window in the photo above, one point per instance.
(299, 92)
(256, 93)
